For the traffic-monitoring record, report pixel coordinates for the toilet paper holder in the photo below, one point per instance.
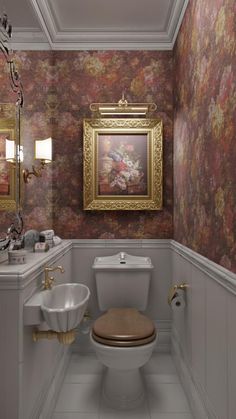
(174, 289)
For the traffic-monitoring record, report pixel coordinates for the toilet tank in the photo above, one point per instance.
(122, 280)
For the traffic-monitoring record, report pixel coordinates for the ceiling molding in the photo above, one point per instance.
(58, 38)
(29, 38)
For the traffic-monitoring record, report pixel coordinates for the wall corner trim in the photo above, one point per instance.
(222, 276)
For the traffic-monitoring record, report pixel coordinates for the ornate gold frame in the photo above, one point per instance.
(8, 202)
(153, 129)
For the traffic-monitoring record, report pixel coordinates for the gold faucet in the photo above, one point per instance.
(48, 280)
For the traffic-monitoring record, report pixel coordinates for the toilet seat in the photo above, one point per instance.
(123, 327)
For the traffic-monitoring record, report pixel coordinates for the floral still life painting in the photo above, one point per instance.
(122, 164)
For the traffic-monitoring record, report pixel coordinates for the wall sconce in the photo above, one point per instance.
(43, 152)
(13, 153)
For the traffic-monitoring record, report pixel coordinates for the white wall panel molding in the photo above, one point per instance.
(195, 393)
(214, 271)
(122, 243)
(163, 328)
(55, 386)
(203, 336)
(47, 398)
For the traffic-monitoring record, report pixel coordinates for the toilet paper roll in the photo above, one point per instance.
(178, 301)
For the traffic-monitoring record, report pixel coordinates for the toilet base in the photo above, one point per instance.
(123, 389)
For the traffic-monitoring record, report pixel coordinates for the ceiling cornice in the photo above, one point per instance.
(58, 38)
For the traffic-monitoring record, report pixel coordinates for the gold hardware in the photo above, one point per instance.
(122, 108)
(36, 171)
(48, 280)
(173, 290)
(43, 153)
(65, 338)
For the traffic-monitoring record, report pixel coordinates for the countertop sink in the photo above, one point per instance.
(62, 307)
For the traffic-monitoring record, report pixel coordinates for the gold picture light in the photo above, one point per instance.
(122, 108)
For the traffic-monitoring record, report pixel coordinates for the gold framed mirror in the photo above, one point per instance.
(11, 93)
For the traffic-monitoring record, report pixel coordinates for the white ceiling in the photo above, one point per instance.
(94, 24)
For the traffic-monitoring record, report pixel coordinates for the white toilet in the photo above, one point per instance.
(123, 338)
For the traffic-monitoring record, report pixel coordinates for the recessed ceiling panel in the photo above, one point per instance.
(96, 24)
(97, 15)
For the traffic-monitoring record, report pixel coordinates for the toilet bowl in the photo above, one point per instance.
(123, 337)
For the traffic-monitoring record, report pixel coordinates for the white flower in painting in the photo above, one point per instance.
(136, 164)
(119, 181)
(126, 175)
(134, 173)
(129, 163)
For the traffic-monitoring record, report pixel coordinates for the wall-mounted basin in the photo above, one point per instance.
(62, 307)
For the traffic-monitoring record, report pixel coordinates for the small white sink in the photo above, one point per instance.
(64, 305)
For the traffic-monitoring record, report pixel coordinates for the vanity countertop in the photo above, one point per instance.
(11, 276)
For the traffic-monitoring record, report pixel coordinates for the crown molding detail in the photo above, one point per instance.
(54, 36)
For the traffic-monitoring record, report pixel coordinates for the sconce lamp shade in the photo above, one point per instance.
(43, 150)
(14, 153)
(10, 150)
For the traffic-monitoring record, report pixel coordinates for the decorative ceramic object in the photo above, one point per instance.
(17, 257)
(30, 238)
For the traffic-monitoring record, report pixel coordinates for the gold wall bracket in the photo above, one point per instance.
(36, 171)
(173, 290)
(122, 108)
(66, 338)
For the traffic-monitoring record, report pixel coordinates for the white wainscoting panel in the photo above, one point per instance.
(231, 369)
(203, 334)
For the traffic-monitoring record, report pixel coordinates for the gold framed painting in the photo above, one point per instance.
(122, 164)
(7, 170)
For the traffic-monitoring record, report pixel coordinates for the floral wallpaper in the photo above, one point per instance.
(58, 89)
(86, 77)
(205, 131)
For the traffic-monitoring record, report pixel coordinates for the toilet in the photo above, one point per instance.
(123, 337)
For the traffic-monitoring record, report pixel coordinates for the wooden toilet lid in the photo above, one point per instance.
(123, 325)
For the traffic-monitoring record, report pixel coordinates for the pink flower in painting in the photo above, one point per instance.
(129, 147)
(121, 166)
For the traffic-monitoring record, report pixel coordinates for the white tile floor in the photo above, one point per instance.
(80, 396)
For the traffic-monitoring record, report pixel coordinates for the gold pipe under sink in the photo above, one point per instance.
(66, 338)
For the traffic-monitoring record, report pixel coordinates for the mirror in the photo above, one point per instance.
(11, 102)
(8, 124)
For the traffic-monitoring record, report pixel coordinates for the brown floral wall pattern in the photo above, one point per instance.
(205, 131)
(86, 77)
(58, 89)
